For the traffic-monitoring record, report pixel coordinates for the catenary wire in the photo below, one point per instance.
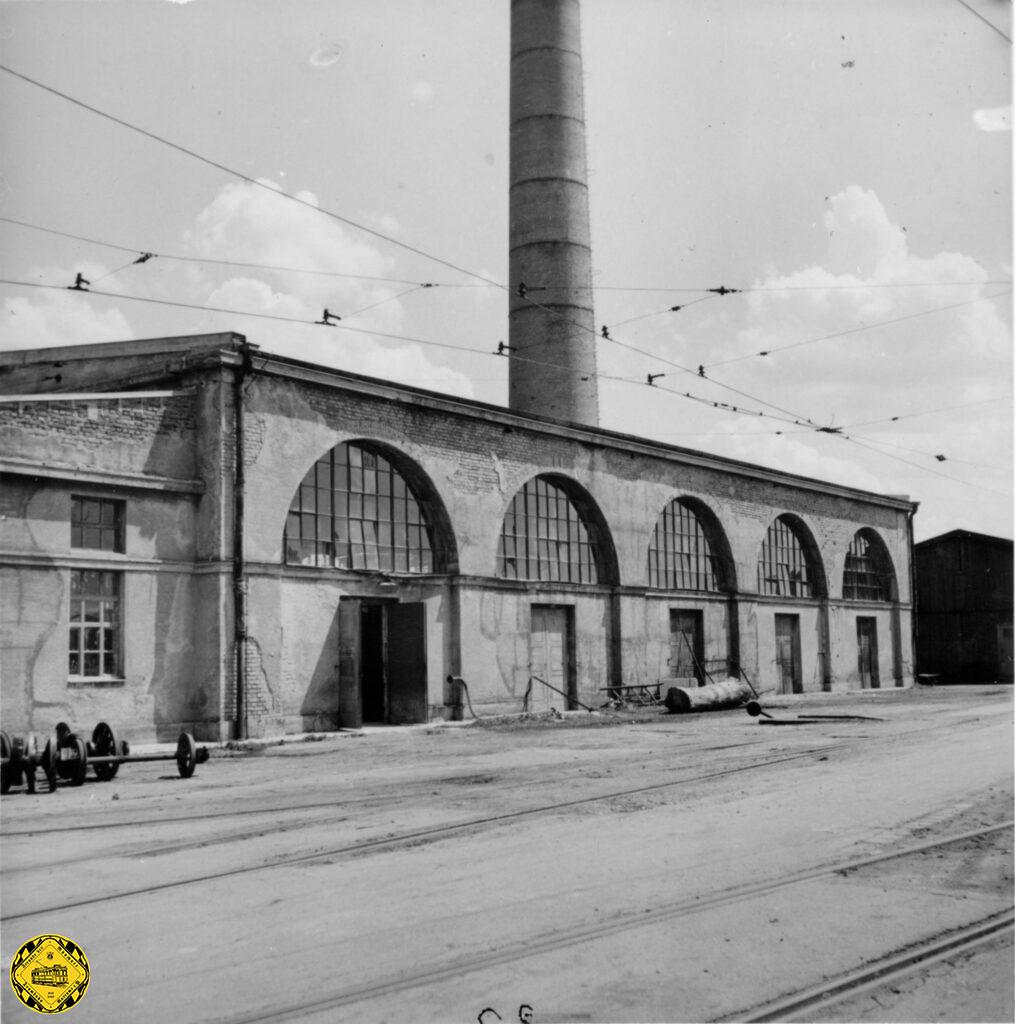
(462, 348)
(252, 181)
(854, 330)
(239, 263)
(339, 218)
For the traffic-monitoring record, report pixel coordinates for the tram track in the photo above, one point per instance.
(893, 967)
(553, 941)
(392, 842)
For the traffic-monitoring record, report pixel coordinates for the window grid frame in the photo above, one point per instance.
(354, 510)
(96, 607)
(104, 517)
(866, 575)
(545, 538)
(685, 559)
(784, 569)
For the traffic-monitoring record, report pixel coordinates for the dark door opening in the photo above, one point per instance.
(787, 653)
(382, 663)
(687, 645)
(867, 652)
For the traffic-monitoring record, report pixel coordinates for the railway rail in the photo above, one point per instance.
(805, 1003)
(413, 837)
(534, 946)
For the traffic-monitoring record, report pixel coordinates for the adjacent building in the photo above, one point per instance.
(964, 607)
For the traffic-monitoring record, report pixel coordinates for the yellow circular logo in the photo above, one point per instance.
(50, 974)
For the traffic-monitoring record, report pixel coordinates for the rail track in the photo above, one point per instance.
(415, 837)
(805, 1003)
(938, 946)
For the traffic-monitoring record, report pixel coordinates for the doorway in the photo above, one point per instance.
(787, 653)
(867, 652)
(382, 663)
(551, 658)
(687, 645)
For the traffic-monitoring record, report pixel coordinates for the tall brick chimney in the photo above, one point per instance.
(552, 368)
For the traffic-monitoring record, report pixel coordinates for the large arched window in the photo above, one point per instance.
(685, 552)
(785, 566)
(355, 510)
(545, 537)
(868, 575)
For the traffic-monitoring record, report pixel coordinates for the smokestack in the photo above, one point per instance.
(552, 369)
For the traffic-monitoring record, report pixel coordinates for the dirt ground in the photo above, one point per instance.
(613, 867)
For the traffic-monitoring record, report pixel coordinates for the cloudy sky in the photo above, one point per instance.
(846, 165)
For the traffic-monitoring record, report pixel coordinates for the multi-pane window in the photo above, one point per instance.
(94, 623)
(354, 510)
(679, 554)
(868, 575)
(96, 523)
(545, 538)
(782, 567)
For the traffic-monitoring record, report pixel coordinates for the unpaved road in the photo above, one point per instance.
(663, 869)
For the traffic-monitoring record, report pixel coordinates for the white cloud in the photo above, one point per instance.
(993, 119)
(251, 224)
(43, 319)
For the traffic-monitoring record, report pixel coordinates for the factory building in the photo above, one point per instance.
(198, 534)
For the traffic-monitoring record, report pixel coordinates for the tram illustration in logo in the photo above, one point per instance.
(50, 973)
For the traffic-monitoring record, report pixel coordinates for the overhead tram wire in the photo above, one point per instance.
(796, 419)
(340, 219)
(252, 181)
(457, 284)
(933, 455)
(855, 330)
(808, 287)
(381, 334)
(462, 348)
(238, 263)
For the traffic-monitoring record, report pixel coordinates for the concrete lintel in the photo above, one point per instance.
(110, 562)
(131, 481)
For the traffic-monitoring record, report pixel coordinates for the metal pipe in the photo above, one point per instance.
(239, 566)
(566, 696)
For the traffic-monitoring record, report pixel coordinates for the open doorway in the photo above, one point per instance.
(787, 653)
(382, 663)
(867, 652)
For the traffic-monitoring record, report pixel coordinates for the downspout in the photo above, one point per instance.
(239, 566)
(913, 627)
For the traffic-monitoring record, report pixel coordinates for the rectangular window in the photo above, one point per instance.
(96, 523)
(95, 624)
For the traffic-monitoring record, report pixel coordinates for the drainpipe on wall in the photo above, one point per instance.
(913, 627)
(239, 567)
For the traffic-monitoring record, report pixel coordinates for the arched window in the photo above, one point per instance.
(868, 575)
(681, 555)
(355, 510)
(545, 537)
(784, 569)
